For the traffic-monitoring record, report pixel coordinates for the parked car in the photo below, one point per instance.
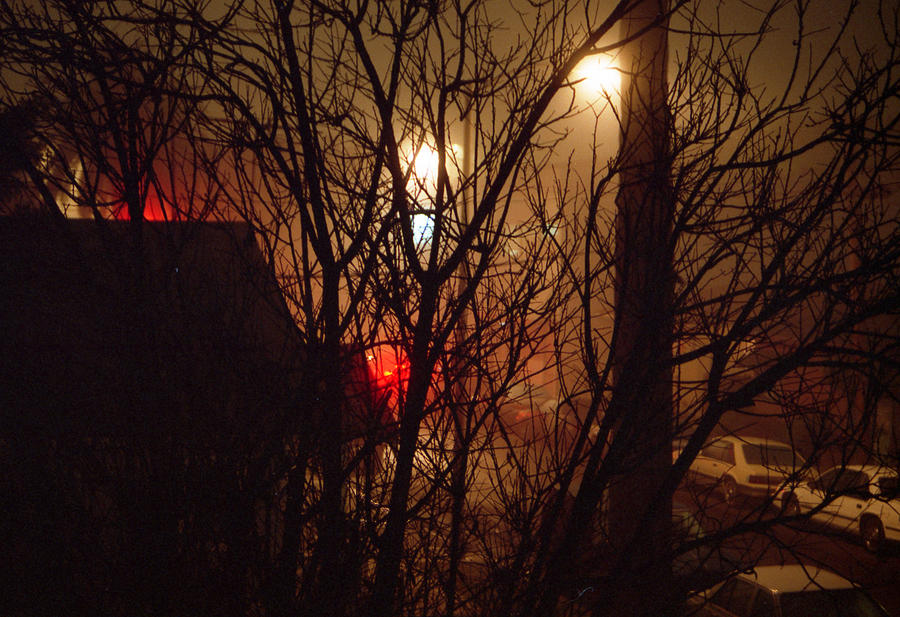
(860, 499)
(748, 466)
(793, 590)
(697, 565)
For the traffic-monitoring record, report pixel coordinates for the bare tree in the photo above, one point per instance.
(437, 200)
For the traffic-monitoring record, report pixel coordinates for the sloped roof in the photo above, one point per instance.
(98, 318)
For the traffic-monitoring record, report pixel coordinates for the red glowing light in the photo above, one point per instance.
(391, 371)
(154, 209)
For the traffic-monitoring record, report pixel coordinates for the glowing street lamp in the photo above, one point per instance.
(598, 74)
(425, 164)
(423, 180)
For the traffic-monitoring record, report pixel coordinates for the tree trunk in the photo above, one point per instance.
(639, 517)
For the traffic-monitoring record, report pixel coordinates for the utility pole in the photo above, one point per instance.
(639, 520)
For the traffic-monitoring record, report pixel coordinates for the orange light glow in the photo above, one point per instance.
(391, 371)
(154, 209)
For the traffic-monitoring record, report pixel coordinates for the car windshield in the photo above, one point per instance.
(771, 456)
(850, 481)
(829, 603)
(888, 487)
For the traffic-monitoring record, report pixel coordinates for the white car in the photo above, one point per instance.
(860, 499)
(748, 466)
(792, 590)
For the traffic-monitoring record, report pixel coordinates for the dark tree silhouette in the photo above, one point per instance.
(477, 301)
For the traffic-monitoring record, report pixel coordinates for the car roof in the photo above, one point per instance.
(871, 470)
(751, 440)
(796, 577)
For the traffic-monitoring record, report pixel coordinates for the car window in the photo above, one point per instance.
(771, 456)
(888, 487)
(826, 480)
(716, 451)
(845, 481)
(853, 483)
(753, 453)
(825, 603)
(735, 597)
(720, 451)
(763, 605)
(783, 457)
(728, 453)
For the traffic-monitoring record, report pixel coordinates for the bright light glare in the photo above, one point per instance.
(423, 227)
(425, 163)
(599, 76)
(422, 180)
